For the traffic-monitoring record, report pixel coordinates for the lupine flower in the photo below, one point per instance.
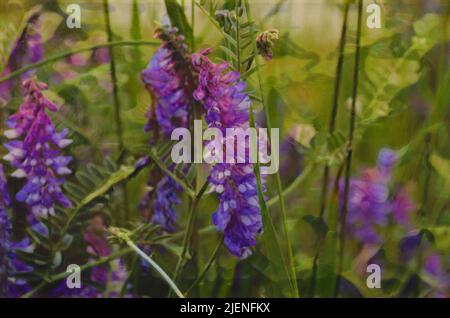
(168, 79)
(35, 152)
(227, 106)
(265, 41)
(27, 49)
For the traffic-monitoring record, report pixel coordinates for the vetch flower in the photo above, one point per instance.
(265, 41)
(35, 151)
(227, 106)
(168, 78)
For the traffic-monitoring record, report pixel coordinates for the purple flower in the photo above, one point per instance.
(227, 106)
(105, 280)
(27, 49)
(167, 79)
(368, 208)
(435, 267)
(163, 207)
(402, 207)
(35, 152)
(368, 201)
(5, 234)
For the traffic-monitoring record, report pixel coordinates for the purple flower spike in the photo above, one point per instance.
(167, 79)
(35, 152)
(227, 106)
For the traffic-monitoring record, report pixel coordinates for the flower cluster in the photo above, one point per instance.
(35, 151)
(27, 49)
(227, 106)
(265, 41)
(168, 77)
(369, 204)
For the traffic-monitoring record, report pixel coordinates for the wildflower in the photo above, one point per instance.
(27, 49)
(265, 41)
(106, 279)
(227, 106)
(35, 152)
(166, 197)
(5, 234)
(368, 201)
(168, 77)
(435, 268)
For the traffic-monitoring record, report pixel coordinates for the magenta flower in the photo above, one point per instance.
(227, 106)
(35, 152)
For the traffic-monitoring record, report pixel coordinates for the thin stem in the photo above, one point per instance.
(334, 110)
(63, 55)
(116, 100)
(207, 266)
(348, 164)
(86, 266)
(161, 166)
(189, 230)
(238, 45)
(294, 185)
(156, 267)
(277, 176)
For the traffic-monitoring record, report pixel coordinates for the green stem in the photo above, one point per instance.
(156, 267)
(161, 166)
(294, 184)
(63, 275)
(277, 176)
(189, 230)
(348, 164)
(73, 52)
(334, 109)
(207, 266)
(116, 100)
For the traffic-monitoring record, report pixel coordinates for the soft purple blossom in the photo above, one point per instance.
(227, 105)
(368, 200)
(35, 151)
(167, 79)
(166, 198)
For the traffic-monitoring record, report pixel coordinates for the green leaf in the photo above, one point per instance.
(122, 174)
(441, 165)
